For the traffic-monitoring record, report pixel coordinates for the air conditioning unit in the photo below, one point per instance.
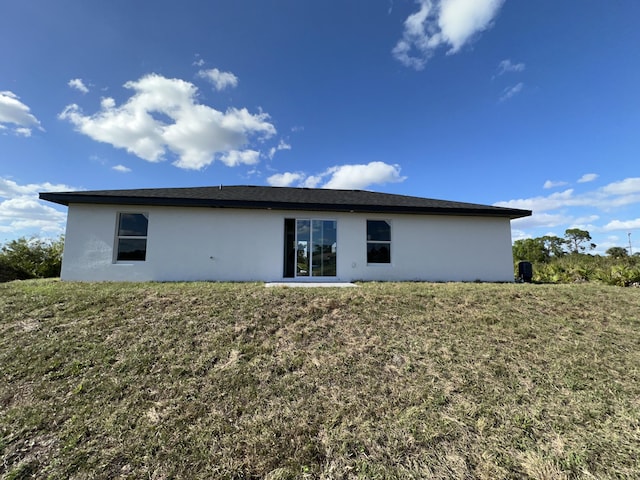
(525, 271)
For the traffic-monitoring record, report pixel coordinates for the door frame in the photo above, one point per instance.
(292, 242)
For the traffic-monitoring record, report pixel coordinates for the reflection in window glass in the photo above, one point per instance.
(132, 249)
(132, 236)
(303, 235)
(378, 230)
(316, 248)
(324, 248)
(133, 225)
(378, 241)
(378, 252)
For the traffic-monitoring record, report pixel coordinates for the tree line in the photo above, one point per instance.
(567, 259)
(31, 257)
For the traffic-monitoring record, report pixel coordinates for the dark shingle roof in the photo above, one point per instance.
(281, 198)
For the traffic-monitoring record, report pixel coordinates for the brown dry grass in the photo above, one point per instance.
(386, 381)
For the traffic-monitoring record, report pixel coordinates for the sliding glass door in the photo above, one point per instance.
(314, 248)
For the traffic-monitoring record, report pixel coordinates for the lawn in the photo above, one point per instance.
(384, 381)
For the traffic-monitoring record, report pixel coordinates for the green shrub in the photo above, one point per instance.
(10, 272)
(30, 258)
(620, 275)
(575, 268)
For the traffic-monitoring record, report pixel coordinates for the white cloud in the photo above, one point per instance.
(21, 213)
(23, 132)
(541, 219)
(282, 145)
(462, 19)
(622, 225)
(196, 133)
(107, 103)
(509, 92)
(237, 157)
(437, 23)
(312, 181)
(517, 234)
(624, 187)
(220, 80)
(121, 168)
(588, 177)
(24, 213)
(591, 210)
(13, 111)
(11, 189)
(553, 184)
(361, 176)
(348, 177)
(506, 66)
(78, 84)
(284, 179)
(609, 202)
(554, 201)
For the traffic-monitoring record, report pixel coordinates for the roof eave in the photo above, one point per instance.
(68, 198)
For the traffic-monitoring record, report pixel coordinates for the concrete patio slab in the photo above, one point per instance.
(310, 284)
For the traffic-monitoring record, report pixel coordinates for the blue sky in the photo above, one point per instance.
(527, 104)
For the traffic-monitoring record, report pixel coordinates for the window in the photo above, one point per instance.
(132, 236)
(378, 241)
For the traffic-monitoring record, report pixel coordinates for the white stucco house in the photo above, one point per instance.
(275, 234)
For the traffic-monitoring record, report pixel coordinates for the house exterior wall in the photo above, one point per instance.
(186, 244)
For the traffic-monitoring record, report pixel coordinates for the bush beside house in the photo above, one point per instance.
(565, 260)
(33, 257)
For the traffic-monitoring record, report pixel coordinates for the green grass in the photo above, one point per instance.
(386, 381)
